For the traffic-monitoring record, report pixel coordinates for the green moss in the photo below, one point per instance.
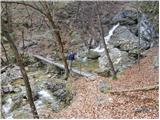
(90, 65)
(92, 55)
(114, 77)
(105, 90)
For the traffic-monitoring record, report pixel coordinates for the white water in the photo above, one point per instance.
(107, 38)
(38, 104)
(98, 49)
(7, 106)
(45, 94)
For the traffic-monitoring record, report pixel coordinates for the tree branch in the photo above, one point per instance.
(29, 5)
(154, 87)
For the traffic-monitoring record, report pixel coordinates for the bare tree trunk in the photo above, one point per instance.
(47, 13)
(105, 46)
(9, 16)
(58, 38)
(23, 41)
(2, 62)
(24, 74)
(139, 38)
(5, 52)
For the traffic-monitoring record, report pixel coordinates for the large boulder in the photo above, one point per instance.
(61, 94)
(133, 29)
(125, 40)
(11, 73)
(129, 18)
(125, 17)
(92, 55)
(119, 58)
(11, 103)
(147, 30)
(54, 86)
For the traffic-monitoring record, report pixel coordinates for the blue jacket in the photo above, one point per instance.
(71, 56)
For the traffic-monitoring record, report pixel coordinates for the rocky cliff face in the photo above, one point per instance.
(81, 18)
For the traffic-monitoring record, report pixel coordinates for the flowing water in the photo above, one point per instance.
(45, 94)
(107, 38)
(7, 106)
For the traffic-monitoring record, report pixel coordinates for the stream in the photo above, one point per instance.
(50, 93)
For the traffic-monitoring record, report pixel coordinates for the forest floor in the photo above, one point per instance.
(89, 102)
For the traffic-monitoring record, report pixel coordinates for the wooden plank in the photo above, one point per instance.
(48, 60)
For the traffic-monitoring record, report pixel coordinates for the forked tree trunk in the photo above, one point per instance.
(105, 46)
(24, 74)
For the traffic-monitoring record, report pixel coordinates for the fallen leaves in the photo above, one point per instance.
(89, 102)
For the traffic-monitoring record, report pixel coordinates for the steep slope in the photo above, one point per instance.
(89, 102)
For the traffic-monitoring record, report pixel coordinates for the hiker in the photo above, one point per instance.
(70, 58)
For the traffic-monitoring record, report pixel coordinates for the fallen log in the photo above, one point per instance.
(50, 61)
(154, 87)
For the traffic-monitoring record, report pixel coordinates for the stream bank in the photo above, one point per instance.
(48, 90)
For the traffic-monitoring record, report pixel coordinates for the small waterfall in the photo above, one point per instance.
(107, 38)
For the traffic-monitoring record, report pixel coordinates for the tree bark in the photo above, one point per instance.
(58, 38)
(24, 74)
(105, 46)
(9, 16)
(2, 62)
(139, 38)
(5, 52)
